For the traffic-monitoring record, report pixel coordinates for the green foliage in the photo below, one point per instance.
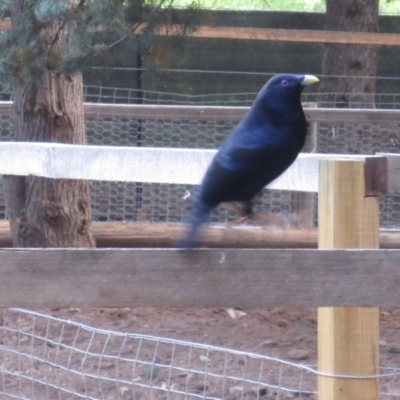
(390, 6)
(385, 6)
(49, 10)
(262, 5)
(56, 36)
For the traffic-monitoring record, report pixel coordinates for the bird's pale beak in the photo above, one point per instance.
(309, 79)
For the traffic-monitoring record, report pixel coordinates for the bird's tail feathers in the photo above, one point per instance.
(199, 215)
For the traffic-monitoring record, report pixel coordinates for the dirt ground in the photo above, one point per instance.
(289, 334)
(273, 331)
(276, 332)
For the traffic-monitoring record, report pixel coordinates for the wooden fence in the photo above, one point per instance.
(267, 34)
(347, 277)
(220, 113)
(43, 278)
(303, 175)
(346, 285)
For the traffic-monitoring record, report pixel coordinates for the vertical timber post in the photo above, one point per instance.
(348, 337)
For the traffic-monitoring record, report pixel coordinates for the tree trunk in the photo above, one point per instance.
(351, 69)
(49, 212)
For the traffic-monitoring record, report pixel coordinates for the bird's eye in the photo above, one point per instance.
(285, 83)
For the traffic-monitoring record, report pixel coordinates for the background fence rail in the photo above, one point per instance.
(220, 113)
(267, 34)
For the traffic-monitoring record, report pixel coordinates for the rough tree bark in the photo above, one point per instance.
(352, 68)
(49, 212)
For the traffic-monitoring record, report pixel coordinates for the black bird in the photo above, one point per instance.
(260, 148)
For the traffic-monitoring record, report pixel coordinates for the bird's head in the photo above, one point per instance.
(285, 89)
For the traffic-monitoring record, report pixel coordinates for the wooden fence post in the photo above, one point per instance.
(348, 338)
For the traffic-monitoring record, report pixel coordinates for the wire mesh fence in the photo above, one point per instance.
(46, 357)
(145, 202)
(101, 94)
(52, 358)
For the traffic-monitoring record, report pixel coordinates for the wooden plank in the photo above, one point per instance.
(376, 176)
(109, 163)
(348, 338)
(269, 34)
(232, 114)
(353, 350)
(5, 108)
(164, 235)
(201, 278)
(117, 234)
(161, 235)
(296, 35)
(393, 172)
(138, 164)
(220, 113)
(335, 115)
(164, 112)
(128, 164)
(150, 165)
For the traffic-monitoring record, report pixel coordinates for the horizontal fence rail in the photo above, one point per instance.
(220, 113)
(199, 279)
(141, 164)
(166, 235)
(288, 35)
(268, 34)
(169, 165)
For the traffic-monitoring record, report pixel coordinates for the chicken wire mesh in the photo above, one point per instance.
(52, 358)
(145, 202)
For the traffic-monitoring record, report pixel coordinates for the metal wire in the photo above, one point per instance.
(52, 358)
(118, 201)
(48, 357)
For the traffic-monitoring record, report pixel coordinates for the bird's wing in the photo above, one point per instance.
(246, 147)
